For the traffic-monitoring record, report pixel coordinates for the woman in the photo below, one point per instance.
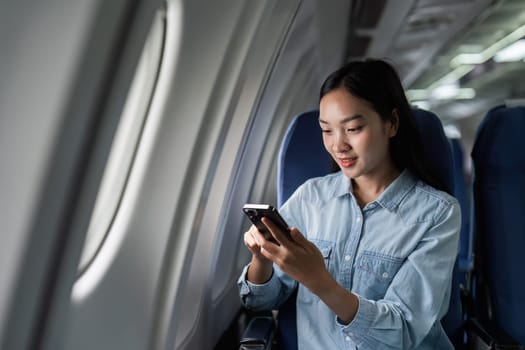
(373, 246)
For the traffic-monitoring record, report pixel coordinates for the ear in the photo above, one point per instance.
(394, 123)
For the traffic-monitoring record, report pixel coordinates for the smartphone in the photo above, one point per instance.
(256, 212)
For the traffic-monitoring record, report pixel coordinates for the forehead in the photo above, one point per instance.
(340, 104)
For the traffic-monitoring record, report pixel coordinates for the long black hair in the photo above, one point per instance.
(377, 82)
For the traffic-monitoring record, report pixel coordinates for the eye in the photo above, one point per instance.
(326, 131)
(354, 130)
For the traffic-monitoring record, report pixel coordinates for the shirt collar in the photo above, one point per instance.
(397, 190)
(343, 185)
(391, 196)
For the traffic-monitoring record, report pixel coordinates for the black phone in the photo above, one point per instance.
(256, 212)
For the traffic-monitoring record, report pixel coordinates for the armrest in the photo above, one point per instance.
(258, 334)
(487, 335)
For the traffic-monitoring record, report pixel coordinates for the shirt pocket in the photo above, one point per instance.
(374, 273)
(326, 248)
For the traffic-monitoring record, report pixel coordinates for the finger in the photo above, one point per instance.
(265, 245)
(249, 240)
(253, 229)
(297, 236)
(279, 235)
(251, 244)
(258, 236)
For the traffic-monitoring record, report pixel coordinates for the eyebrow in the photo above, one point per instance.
(345, 120)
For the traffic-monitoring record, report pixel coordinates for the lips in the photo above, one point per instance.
(347, 162)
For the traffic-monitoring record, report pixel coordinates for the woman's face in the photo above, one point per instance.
(355, 135)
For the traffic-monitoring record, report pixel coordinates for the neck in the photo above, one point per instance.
(367, 188)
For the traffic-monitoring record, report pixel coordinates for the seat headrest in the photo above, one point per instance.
(499, 141)
(436, 148)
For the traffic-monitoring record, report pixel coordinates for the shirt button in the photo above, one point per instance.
(358, 220)
(347, 338)
(347, 257)
(385, 274)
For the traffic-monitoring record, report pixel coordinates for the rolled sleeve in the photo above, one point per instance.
(361, 328)
(363, 319)
(258, 296)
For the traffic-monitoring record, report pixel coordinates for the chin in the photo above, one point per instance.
(350, 173)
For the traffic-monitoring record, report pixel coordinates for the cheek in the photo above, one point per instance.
(373, 148)
(377, 147)
(363, 143)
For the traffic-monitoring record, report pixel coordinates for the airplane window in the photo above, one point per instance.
(125, 142)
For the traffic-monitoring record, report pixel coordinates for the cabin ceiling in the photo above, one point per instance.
(422, 37)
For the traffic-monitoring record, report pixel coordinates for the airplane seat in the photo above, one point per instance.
(454, 320)
(499, 192)
(436, 149)
(465, 259)
(438, 152)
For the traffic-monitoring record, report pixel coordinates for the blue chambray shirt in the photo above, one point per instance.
(396, 254)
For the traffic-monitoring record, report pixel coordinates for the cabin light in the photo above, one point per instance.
(452, 92)
(467, 58)
(445, 92)
(512, 53)
(465, 94)
(417, 94)
(489, 52)
(423, 97)
(453, 76)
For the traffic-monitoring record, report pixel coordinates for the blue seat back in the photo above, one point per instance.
(465, 259)
(438, 153)
(302, 156)
(453, 321)
(499, 194)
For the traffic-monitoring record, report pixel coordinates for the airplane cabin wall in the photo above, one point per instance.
(232, 75)
(62, 65)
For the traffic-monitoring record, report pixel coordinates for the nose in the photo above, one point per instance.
(340, 144)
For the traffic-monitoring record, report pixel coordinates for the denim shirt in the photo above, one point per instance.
(396, 255)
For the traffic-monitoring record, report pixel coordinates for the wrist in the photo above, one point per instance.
(260, 270)
(340, 300)
(260, 260)
(323, 285)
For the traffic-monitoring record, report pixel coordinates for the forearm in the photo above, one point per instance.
(340, 300)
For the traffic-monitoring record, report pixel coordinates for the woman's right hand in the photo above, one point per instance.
(252, 237)
(260, 269)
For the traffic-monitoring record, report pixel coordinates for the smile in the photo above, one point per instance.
(347, 162)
